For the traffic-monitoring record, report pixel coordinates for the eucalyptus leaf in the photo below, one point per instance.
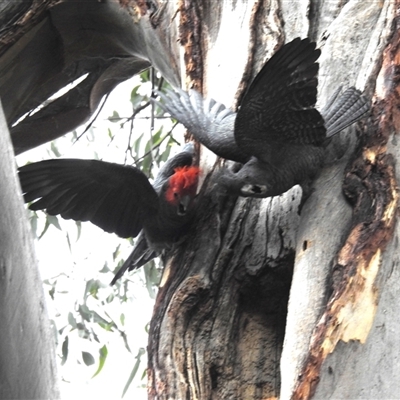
(88, 359)
(64, 350)
(103, 353)
(134, 370)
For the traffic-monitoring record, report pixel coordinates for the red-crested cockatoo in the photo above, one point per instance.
(118, 199)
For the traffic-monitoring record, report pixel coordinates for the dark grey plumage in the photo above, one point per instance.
(117, 198)
(210, 122)
(278, 134)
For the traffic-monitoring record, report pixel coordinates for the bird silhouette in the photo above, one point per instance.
(118, 199)
(277, 134)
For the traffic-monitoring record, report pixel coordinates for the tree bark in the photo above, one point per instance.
(222, 317)
(27, 359)
(260, 300)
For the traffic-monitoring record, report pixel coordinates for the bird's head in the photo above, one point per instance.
(182, 187)
(251, 180)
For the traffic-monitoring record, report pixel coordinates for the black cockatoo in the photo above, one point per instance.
(118, 199)
(277, 133)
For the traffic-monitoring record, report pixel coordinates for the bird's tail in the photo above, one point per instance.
(141, 255)
(343, 110)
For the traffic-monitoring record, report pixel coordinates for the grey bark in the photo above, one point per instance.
(233, 321)
(27, 359)
(348, 56)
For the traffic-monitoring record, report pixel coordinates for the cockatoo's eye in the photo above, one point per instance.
(253, 190)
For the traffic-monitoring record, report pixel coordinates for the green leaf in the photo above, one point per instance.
(114, 117)
(148, 160)
(105, 268)
(69, 242)
(102, 359)
(64, 350)
(156, 138)
(51, 292)
(33, 220)
(145, 75)
(136, 98)
(100, 320)
(83, 332)
(46, 226)
(110, 298)
(72, 320)
(116, 252)
(107, 327)
(122, 319)
(134, 370)
(79, 229)
(54, 149)
(136, 144)
(134, 92)
(88, 359)
(53, 220)
(124, 337)
(92, 288)
(165, 155)
(95, 337)
(85, 313)
(60, 331)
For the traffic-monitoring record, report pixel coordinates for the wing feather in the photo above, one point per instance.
(210, 122)
(278, 108)
(114, 197)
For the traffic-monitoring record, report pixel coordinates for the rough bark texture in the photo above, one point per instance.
(27, 363)
(259, 301)
(219, 323)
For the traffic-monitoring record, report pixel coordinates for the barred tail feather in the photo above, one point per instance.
(343, 110)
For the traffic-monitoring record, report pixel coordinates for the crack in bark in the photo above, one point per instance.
(371, 186)
(190, 37)
(260, 12)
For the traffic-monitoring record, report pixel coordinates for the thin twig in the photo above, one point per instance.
(90, 124)
(141, 158)
(152, 118)
(132, 118)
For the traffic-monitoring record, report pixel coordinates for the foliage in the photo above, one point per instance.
(96, 316)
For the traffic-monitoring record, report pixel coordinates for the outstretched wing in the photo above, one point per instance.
(114, 197)
(211, 123)
(278, 108)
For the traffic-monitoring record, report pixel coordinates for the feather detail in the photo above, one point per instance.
(183, 182)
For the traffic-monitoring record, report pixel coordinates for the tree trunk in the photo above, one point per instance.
(260, 300)
(222, 316)
(27, 364)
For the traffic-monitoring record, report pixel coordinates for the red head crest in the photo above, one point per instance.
(182, 183)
